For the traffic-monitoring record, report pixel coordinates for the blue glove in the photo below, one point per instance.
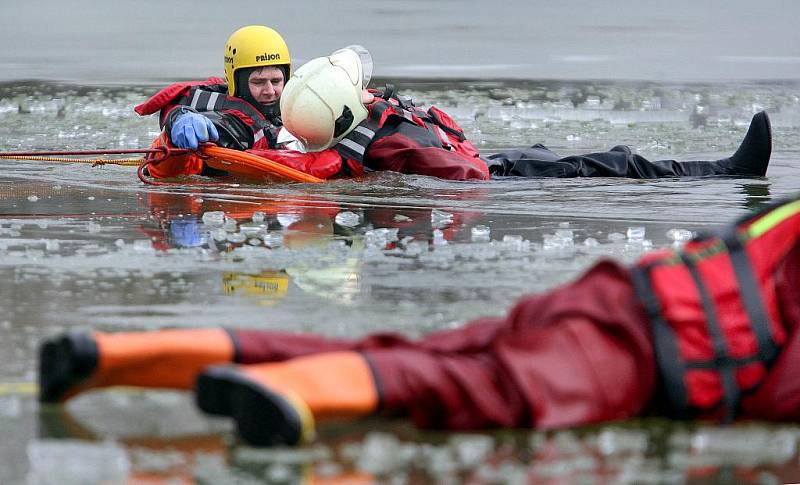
(190, 129)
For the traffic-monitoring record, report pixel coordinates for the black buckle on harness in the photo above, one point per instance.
(388, 91)
(343, 122)
(450, 131)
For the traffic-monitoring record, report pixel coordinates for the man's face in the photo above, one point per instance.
(266, 84)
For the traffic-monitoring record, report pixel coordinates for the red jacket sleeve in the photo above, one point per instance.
(168, 95)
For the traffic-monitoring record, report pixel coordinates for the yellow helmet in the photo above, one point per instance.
(254, 46)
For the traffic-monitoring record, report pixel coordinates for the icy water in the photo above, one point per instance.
(93, 248)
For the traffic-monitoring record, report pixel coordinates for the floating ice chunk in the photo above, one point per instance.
(214, 218)
(51, 245)
(438, 238)
(745, 446)
(33, 198)
(258, 217)
(119, 243)
(280, 473)
(415, 248)
(157, 461)
(679, 235)
(635, 233)
(515, 242)
(219, 234)
(273, 239)
(143, 245)
(615, 441)
(378, 453)
(590, 242)
(93, 227)
(347, 219)
(10, 406)
(472, 449)
(75, 461)
(254, 241)
(616, 237)
(440, 218)
(441, 460)
(91, 197)
(566, 235)
(286, 220)
(563, 224)
(401, 218)
(550, 242)
(379, 238)
(236, 237)
(480, 234)
(252, 229)
(230, 225)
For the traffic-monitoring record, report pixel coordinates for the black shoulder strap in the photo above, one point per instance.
(668, 357)
(750, 293)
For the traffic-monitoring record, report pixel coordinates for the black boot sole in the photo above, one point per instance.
(263, 417)
(64, 362)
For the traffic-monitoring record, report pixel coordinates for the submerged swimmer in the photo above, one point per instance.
(339, 130)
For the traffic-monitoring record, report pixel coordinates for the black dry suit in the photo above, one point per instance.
(751, 158)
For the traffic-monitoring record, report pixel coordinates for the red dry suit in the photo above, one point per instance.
(240, 124)
(396, 136)
(400, 137)
(713, 327)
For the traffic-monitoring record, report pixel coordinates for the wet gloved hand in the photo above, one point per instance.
(185, 233)
(191, 129)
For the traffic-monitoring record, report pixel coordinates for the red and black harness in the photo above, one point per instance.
(353, 147)
(710, 361)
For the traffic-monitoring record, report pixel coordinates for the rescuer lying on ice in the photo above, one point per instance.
(339, 136)
(707, 331)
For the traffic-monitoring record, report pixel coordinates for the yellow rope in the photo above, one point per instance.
(129, 162)
(18, 388)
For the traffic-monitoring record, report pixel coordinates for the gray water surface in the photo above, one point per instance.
(89, 41)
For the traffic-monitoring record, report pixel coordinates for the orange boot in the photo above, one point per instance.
(76, 362)
(278, 403)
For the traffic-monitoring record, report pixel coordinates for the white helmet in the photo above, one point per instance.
(321, 103)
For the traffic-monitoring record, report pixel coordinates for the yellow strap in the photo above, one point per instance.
(23, 388)
(773, 218)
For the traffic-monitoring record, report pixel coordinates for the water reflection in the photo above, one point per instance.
(757, 195)
(388, 451)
